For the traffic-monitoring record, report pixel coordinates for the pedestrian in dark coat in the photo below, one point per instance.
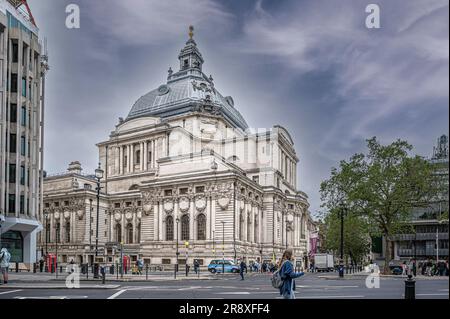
(242, 267)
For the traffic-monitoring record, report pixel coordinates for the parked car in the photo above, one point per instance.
(396, 270)
(218, 265)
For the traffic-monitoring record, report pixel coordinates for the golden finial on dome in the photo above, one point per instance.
(191, 32)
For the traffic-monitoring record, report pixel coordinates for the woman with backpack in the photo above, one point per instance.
(288, 275)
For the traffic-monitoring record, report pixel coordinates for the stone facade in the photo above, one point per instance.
(184, 167)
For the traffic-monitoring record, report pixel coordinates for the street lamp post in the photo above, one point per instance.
(56, 248)
(98, 175)
(214, 244)
(223, 247)
(177, 252)
(186, 245)
(341, 262)
(1, 222)
(46, 232)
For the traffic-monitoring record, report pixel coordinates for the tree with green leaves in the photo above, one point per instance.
(357, 241)
(382, 186)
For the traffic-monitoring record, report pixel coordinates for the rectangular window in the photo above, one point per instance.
(168, 192)
(23, 116)
(23, 144)
(12, 143)
(15, 52)
(13, 113)
(12, 203)
(183, 191)
(12, 173)
(28, 178)
(13, 83)
(24, 55)
(22, 204)
(24, 87)
(200, 189)
(22, 175)
(117, 205)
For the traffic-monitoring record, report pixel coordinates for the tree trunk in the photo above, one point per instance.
(387, 255)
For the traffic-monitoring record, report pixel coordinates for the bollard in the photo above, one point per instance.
(117, 271)
(410, 288)
(17, 267)
(146, 272)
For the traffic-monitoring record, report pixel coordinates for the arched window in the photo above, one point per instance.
(185, 227)
(249, 227)
(57, 233)
(255, 225)
(67, 231)
(130, 233)
(241, 227)
(118, 233)
(201, 227)
(138, 157)
(169, 228)
(138, 233)
(47, 231)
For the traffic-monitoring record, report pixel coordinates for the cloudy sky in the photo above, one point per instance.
(311, 66)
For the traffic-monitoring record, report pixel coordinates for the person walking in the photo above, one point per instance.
(414, 268)
(242, 267)
(196, 266)
(5, 257)
(288, 275)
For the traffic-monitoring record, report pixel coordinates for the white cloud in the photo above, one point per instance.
(141, 22)
(378, 73)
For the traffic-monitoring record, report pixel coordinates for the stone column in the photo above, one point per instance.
(161, 219)
(208, 218)
(191, 219)
(141, 149)
(156, 222)
(120, 160)
(132, 158)
(145, 156)
(128, 159)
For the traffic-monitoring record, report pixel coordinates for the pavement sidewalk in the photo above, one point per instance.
(33, 278)
(364, 274)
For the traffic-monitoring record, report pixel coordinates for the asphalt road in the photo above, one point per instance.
(256, 286)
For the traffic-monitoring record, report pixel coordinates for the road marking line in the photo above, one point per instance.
(10, 292)
(431, 294)
(233, 293)
(117, 294)
(332, 297)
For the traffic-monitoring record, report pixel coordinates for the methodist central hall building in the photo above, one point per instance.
(182, 167)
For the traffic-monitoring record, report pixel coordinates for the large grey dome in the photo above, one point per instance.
(186, 91)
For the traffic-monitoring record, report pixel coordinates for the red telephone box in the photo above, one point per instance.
(126, 261)
(51, 262)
